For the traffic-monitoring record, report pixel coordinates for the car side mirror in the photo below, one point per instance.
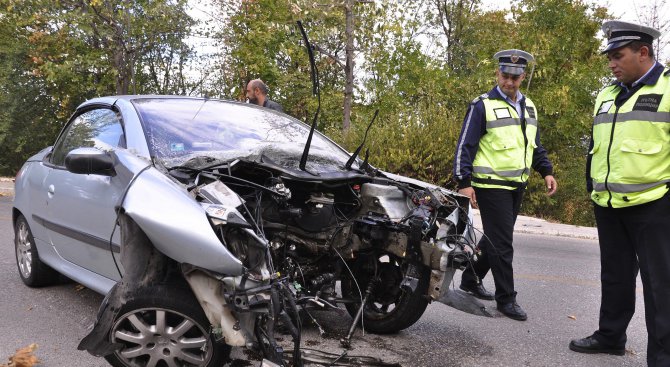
(89, 161)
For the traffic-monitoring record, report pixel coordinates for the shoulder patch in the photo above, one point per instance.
(479, 98)
(531, 112)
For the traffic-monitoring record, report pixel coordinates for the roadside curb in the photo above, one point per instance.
(6, 186)
(542, 227)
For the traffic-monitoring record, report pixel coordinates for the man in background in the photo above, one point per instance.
(257, 93)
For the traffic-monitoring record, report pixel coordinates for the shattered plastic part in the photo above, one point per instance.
(208, 292)
(218, 193)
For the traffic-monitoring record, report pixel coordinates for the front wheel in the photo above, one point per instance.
(165, 326)
(391, 306)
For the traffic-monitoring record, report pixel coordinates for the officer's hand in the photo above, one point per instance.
(469, 192)
(551, 184)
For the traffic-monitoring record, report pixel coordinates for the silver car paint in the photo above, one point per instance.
(28, 194)
(84, 204)
(30, 200)
(177, 227)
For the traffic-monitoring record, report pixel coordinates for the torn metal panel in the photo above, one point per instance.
(175, 223)
(441, 292)
(143, 265)
(465, 302)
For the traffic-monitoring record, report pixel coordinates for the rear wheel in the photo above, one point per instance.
(391, 306)
(33, 272)
(165, 327)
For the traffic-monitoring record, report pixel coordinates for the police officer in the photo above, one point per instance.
(628, 175)
(498, 145)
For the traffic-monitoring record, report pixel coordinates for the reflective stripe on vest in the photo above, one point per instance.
(627, 188)
(630, 163)
(504, 157)
(509, 173)
(509, 121)
(633, 116)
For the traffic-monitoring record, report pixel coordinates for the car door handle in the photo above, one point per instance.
(51, 190)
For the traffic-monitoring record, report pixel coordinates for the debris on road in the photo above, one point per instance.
(23, 357)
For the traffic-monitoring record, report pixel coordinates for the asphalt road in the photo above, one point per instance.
(557, 279)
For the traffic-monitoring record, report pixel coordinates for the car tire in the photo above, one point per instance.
(33, 272)
(165, 325)
(378, 316)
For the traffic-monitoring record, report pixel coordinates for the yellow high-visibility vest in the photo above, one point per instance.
(630, 163)
(505, 152)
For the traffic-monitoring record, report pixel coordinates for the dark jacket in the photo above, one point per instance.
(272, 105)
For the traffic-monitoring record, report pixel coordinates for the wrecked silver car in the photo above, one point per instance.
(208, 223)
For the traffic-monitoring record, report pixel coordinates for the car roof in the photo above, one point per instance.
(110, 100)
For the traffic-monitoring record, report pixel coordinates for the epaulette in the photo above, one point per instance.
(479, 98)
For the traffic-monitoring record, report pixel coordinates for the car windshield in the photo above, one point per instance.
(179, 131)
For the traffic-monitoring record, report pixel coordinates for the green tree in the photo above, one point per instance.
(423, 97)
(260, 39)
(418, 62)
(28, 116)
(60, 53)
(570, 70)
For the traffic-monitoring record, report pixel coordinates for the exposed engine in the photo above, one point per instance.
(392, 246)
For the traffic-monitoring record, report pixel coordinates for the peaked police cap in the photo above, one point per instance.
(620, 34)
(513, 61)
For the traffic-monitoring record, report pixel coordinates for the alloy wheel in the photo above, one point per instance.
(24, 250)
(160, 337)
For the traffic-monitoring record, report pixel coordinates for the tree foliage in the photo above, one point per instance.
(59, 53)
(418, 62)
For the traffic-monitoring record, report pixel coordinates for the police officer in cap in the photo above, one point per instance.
(628, 176)
(498, 145)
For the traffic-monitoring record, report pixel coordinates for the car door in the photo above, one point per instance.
(80, 214)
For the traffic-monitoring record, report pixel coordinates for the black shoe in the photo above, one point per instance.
(591, 345)
(478, 291)
(513, 311)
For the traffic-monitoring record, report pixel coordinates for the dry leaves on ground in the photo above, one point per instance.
(23, 357)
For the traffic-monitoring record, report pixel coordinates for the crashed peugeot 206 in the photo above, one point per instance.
(208, 223)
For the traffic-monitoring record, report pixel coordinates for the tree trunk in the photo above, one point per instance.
(120, 63)
(349, 66)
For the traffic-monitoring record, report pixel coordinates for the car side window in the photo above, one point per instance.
(99, 128)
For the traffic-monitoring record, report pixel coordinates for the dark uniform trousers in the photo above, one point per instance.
(499, 209)
(631, 239)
